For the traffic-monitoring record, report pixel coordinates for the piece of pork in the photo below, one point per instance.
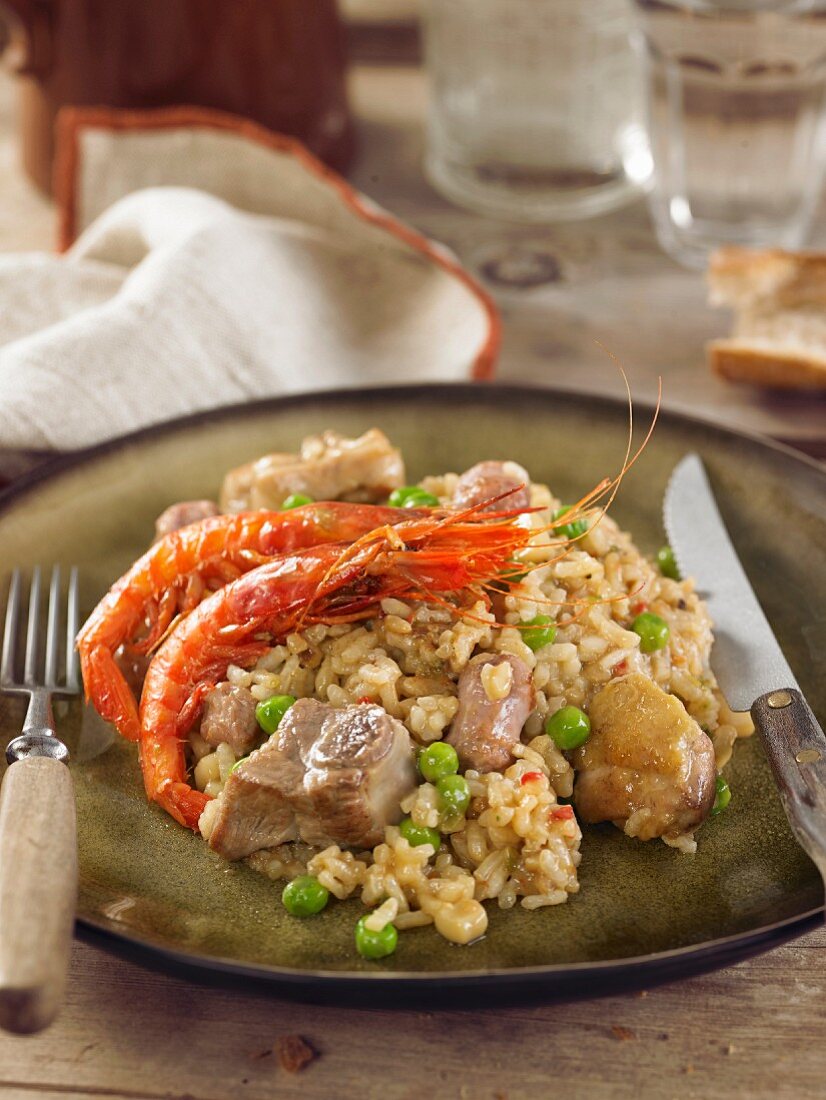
(647, 765)
(328, 467)
(495, 698)
(328, 775)
(487, 480)
(181, 515)
(229, 716)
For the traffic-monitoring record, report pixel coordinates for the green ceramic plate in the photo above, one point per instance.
(645, 912)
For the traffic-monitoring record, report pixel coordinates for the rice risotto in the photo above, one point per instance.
(516, 842)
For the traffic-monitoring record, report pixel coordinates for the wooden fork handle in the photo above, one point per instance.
(38, 891)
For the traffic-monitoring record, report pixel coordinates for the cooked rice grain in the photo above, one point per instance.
(516, 843)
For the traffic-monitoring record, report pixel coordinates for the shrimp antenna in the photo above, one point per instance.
(611, 486)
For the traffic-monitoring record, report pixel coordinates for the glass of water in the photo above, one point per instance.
(536, 108)
(736, 120)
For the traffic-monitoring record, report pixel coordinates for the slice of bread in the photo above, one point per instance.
(779, 299)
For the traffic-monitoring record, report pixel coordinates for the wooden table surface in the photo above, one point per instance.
(755, 1030)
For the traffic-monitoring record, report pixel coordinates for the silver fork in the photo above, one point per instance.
(38, 836)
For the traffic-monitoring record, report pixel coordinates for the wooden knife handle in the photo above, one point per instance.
(38, 890)
(796, 747)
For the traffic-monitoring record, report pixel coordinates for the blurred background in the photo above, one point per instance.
(580, 157)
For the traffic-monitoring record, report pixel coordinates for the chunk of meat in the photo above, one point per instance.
(327, 776)
(229, 715)
(490, 479)
(493, 708)
(328, 467)
(181, 515)
(647, 765)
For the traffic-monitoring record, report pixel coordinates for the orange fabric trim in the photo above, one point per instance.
(72, 120)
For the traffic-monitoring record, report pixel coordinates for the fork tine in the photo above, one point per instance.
(33, 629)
(72, 627)
(10, 630)
(53, 629)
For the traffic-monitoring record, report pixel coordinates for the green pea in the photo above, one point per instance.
(513, 572)
(295, 500)
(411, 496)
(570, 530)
(653, 631)
(270, 712)
(568, 728)
(667, 564)
(437, 760)
(304, 896)
(238, 764)
(509, 577)
(419, 834)
(541, 633)
(375, 945)
(723, 796)
(454, 795)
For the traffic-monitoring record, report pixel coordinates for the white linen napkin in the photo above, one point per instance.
(174, 300)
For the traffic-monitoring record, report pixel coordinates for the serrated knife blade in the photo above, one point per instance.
(746, 657)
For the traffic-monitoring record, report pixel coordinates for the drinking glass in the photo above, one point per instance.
(736, 116)
(536, 106)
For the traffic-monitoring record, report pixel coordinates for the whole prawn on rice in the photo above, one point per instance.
(218, 592)
(175, 574)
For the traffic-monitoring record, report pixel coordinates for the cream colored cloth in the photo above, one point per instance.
(174, 300)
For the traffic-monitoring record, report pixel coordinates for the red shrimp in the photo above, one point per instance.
(178, 570)
(436, 558)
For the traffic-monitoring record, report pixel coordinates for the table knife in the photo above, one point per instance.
(748, 662)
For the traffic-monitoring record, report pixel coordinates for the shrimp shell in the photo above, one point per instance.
(170, 578)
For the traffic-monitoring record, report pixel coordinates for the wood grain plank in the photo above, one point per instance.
(69, 1092)
(129, 1032)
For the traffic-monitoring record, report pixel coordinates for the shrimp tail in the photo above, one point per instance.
(163, 764)
(106, 686)
(183, 803)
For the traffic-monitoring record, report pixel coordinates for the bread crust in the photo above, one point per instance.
(779, 299)
(770, 278)
(779, 370)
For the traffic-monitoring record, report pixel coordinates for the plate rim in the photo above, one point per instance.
(709, 954)
(65, 461)
(539, 978)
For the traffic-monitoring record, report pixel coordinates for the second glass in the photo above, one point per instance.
(536, 106)
(736, 95)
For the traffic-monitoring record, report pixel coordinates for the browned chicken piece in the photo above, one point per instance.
(327, 775)
(647, 765)
(487, 480)
(181, 515)
(229, 716)
(495, 698)
(328, 467)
